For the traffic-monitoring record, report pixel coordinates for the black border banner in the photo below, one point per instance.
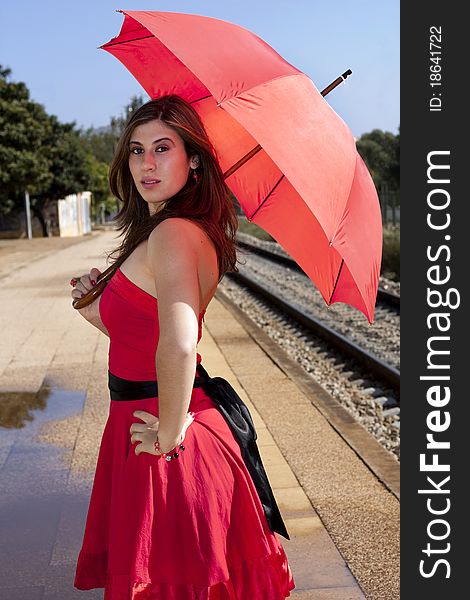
(434, 288)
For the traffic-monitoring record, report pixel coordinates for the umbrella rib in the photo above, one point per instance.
(336, 282)
(279, 181)
(242, 161)
(199, 99)
(127, 41)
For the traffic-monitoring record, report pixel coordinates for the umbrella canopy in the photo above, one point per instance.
(289, 159)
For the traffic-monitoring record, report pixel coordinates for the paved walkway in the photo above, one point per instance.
(47, 465)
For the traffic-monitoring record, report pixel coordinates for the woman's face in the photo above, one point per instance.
(158, 162)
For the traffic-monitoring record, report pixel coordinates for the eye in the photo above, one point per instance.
(137, 150)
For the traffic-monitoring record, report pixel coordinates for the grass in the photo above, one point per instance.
(250, 228)
(391, 253)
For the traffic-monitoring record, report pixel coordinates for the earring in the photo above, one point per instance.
(195, 166)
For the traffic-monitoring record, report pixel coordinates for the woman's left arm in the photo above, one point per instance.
(172, 254)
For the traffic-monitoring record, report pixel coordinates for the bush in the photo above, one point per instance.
(245, 226)
(391, 253)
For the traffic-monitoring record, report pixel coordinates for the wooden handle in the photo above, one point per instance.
(96, 290)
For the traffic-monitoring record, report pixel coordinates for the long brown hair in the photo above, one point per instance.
(206, 201)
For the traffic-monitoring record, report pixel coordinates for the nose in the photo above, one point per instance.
(149, 162)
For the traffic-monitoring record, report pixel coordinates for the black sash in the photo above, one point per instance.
(125, 389)
(238, 418)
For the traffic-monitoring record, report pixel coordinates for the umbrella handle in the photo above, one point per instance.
(96, 290)
(336, 82)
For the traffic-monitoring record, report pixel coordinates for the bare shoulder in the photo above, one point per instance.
(184, 234)
(173, 225)
(179, 250)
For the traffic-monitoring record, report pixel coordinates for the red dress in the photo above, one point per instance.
(190, 529)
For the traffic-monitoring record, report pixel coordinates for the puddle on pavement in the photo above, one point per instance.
(24, 415)
(18, 409)
(15, 407)
(34, 494)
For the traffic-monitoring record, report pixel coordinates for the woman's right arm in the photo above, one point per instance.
(91, 313)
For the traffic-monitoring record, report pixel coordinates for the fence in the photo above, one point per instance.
(389, 205)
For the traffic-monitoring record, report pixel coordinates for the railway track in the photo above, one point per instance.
(372, 401)
(384, 296)
(383, 372)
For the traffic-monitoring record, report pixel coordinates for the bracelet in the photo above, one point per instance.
(165, 455)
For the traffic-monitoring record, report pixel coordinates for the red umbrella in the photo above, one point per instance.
(289, 159)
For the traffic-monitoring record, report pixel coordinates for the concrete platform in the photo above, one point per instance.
(342, 522)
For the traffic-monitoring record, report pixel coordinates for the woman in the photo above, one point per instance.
(168, 520)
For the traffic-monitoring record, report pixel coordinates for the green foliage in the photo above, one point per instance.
(245, 226)
(68, 161)
(100, 142)
(37, 152)
(98, 174)
(47, 158)
(117, 124)
(381, 152)
(24, 128)
(391, 253)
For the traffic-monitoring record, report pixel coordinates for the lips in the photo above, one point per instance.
(149, 184)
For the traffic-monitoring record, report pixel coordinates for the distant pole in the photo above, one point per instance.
(28, 215)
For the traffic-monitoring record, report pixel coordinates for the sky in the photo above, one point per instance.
(52, 45)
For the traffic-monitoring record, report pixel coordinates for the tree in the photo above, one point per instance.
(117, 124)
(24, 126)
(69, 166)
(381, 153)
(37, 153)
